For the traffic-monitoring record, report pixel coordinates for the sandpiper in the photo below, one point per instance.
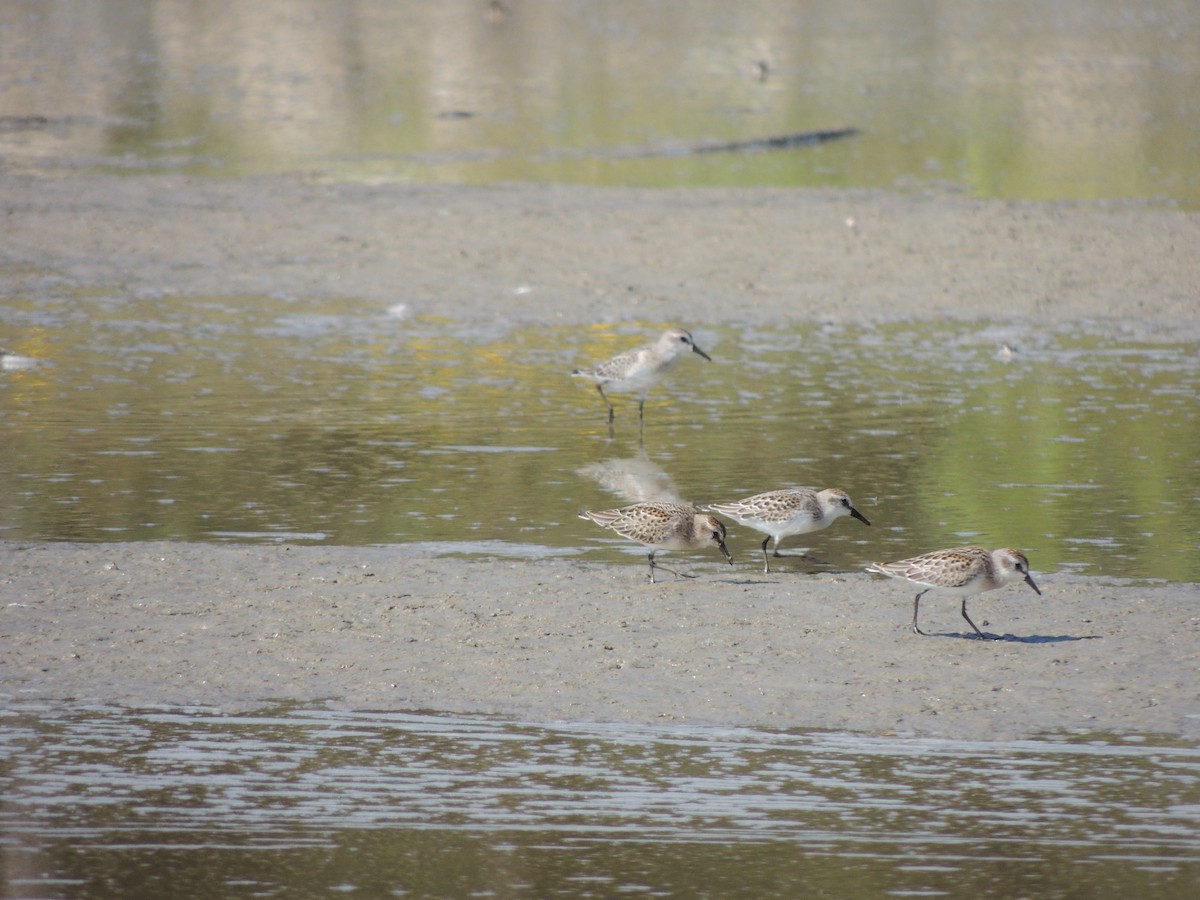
(636, 371)
(960, 572)
(663, 526)
(778, 514)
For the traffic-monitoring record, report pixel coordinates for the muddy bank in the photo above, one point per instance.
(555, 253)
(234, 627)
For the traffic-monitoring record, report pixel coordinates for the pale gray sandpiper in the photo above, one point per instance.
(778, 514)
(960, 572)
(663, 526)
(636, 371)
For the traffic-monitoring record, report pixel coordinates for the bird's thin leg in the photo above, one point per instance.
(916, 604)
(607, 403)
(654, 565)
(982, 636)
(766, 559)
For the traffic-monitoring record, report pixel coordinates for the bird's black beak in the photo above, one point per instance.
(1029, 581)
(725, 550)
(701, 352)
(856, 514)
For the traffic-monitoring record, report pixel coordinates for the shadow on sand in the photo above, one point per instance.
(1017, 639)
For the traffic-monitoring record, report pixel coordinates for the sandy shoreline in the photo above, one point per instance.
(570, 254)
(374, 628)
(236, 627)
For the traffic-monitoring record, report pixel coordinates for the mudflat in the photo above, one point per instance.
(235, 627)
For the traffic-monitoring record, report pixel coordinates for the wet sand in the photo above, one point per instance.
(537, 253)
(235, 627)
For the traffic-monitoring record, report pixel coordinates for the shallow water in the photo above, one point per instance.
(301, 802)
(201, 419)
(1080, 100)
